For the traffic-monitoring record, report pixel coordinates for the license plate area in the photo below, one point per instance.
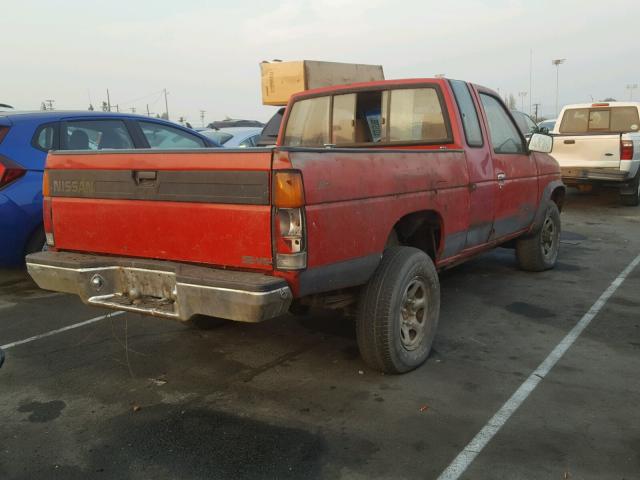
(137, 290)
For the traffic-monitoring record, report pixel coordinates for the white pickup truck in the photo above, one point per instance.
(600, 143)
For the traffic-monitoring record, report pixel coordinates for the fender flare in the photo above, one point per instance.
(545, 198)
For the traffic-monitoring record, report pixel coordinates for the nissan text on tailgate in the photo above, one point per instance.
(370, 191)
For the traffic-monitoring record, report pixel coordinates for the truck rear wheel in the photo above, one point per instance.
(632, 199)
(539, 252)
(398, 311)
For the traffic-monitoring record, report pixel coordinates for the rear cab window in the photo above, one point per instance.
(397, 116)
(96, 135)
(600, 120)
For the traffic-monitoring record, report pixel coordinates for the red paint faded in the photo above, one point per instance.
(353, 199)
(230, 235)
(187, 232)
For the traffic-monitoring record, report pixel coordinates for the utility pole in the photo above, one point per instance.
(557, 62)
(522, 95)
(49, 103)
(133, 109)
(202, 112)
(166, 104)
(148, 113)
(108, 101)
(536, 106)
(631, 88)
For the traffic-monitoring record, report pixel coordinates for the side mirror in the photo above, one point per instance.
(540, 143)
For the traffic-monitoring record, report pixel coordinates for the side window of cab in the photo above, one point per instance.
(370, 118)
(505, 136)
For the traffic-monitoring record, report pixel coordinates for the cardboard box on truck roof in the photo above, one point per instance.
(280, 80)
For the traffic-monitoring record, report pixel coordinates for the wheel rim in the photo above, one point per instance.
(413, 314)
(548, 237)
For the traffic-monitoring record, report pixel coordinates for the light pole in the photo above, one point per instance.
(522, 95)
(166, 103)
(557, 62)
(631, 88)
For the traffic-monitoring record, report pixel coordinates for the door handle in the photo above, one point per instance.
(144, 176)
(569, 142)
(501, 178)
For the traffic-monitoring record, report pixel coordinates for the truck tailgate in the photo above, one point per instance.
(589, 151)
(201, 206)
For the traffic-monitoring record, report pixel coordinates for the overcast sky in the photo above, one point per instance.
(206, 53)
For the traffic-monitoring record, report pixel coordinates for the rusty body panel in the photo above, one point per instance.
(364, 193)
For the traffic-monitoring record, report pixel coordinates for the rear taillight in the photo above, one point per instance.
(288, 221)
(626, 150)
(9, 171)
(3, 133)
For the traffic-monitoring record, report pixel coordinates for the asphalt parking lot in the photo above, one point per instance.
(132, 397)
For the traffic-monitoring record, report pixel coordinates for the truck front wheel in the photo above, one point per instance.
(398, 311)
(539, 252)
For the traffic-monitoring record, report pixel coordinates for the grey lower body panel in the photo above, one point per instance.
(163, 289)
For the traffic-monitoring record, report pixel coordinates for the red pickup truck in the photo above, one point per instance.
(370, 190)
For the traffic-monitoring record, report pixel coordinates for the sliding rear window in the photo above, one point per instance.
(369, 118)
(600, 120)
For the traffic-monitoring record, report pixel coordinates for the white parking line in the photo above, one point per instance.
(60, 330)
(484, 436)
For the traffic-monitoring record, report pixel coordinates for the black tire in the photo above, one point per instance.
(539, 252)
(384, 311)
(203, 322)
(632, 200)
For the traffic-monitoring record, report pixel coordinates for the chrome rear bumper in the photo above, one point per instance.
(578, 174)
(162, 289)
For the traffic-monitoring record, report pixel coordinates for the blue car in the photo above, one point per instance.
(25, 139)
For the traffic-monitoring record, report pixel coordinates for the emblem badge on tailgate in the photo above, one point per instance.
(248, 260)
(72, 186)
